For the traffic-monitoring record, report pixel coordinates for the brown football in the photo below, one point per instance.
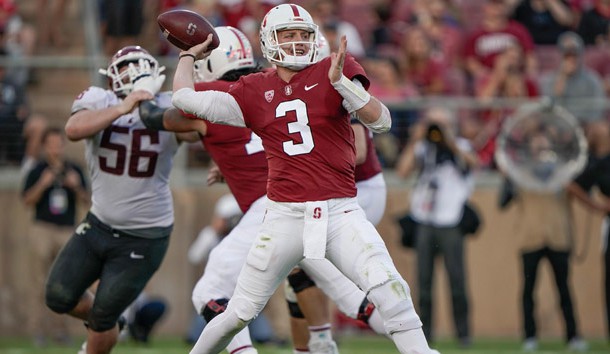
(185, 29)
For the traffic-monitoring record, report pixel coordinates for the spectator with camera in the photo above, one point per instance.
(445, 164)
(53, 188)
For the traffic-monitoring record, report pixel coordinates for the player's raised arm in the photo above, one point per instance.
(369, 110)
(214, 106)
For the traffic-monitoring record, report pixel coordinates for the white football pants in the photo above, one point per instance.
(352, 244)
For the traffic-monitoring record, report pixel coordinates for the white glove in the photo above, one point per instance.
(149, 83)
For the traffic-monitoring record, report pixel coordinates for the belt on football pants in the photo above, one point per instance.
(93, 220)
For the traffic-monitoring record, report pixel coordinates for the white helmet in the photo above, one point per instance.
(323, 47)
(233, 53)
(120, 80)
(287, 17)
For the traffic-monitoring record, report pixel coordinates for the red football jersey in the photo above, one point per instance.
(239, 155)
(485, 45)
(371, 165)
(305, 130)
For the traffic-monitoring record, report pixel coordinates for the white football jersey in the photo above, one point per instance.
(129, 166)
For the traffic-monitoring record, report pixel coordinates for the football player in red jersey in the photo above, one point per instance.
(241, 162)
(307, 304)
(302, 113)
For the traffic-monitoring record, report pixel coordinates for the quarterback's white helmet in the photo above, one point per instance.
(288, 17)
(233, 53)
(121, 80)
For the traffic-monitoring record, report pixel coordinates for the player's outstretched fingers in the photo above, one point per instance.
(337, 60)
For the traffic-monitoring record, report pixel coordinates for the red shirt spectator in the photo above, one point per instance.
(419, 65)
(442, 28)
(506, 80)
(485, 45)
(496, 33)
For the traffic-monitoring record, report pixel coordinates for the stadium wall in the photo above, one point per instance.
(493, 264)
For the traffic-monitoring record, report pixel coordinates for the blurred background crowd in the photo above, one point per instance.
(486, 56)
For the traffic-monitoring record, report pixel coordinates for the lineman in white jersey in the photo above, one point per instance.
(124, 237)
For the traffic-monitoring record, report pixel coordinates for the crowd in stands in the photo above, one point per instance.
(485, 49)
(412, 49)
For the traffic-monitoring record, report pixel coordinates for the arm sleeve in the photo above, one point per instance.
(213, 106)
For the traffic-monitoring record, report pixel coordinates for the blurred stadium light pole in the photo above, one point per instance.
(93, 40)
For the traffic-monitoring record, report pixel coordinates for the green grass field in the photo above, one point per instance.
(347, 345)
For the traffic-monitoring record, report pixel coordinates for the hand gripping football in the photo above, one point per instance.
(185, 29)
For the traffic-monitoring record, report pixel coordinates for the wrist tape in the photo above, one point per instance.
(355, 96)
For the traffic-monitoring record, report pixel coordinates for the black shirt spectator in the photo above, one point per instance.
(544, 23)
(55, 184)
(597, 173)
(57, 205)
(593, 27)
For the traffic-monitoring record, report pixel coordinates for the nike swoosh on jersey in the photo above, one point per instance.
(134, 255)
(307, 88)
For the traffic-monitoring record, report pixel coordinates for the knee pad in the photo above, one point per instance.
(300, 281)
(376, 269)
(366, 310)
(291, 300)
(295, 310)
(244, 309)
(59, 301)
(99, 322)
(393, 301)
(214, 308)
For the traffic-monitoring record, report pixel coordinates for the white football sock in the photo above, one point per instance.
(412, 341)
(241, 342)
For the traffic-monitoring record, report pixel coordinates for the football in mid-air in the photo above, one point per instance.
(185, 29)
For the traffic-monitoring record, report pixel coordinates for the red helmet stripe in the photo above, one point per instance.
(241, 43)
(295, 10)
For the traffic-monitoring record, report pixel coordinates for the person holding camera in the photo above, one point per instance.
(53, 188)
(444, 184)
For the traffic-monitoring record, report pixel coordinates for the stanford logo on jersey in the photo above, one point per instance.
(288, 90)
(269, 95)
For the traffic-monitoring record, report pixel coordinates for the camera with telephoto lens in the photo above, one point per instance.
(435, 134)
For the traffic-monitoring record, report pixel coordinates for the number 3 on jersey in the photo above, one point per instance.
(301, 126)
